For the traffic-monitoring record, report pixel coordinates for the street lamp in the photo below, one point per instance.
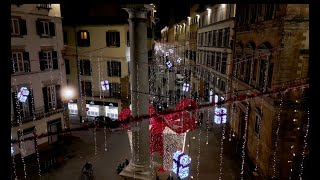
(67, 94)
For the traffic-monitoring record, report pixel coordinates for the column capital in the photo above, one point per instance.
(137, 10)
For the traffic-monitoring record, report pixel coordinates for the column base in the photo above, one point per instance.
(137, 172)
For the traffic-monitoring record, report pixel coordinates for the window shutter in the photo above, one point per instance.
(42, 65)
(45, 99)
(55, 60)
(52, 29)
(58, 97)
(67, 65)
(88, 39)
(270, 71)
(23, 26)
(108, 39)
(11, 65)
(109, 68)
(14, 102)
(39, 27)
(81, 67)
(118, 39)
(26, 61)
(79, 38)
(119, 65)
(30, 102)
(90, 68)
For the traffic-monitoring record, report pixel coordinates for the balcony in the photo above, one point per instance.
(44, 6)
(38, 114)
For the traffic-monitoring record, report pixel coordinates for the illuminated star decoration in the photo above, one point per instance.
(181, 163)
(23, 94)
(220, 115)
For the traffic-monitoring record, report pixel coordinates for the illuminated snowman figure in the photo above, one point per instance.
(181, 163)
(23, 94)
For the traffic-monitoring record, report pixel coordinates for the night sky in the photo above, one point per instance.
(168, 12)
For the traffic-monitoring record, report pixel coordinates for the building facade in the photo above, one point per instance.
(214, 46)
(97, 59)
(97, 53)
(271, 51)
(37, 76)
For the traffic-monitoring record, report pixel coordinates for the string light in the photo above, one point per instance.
(274, 164)
(14, 103)
(198, 158)
(207, 127)
(37, 152)
(95, 122)
(305, 141)
(244, 141)
(20, 129)
(221, 148)
(82, 88)
(35, 130)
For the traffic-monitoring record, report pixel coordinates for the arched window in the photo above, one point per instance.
(265, 67)
(236, 62)
(248, 62)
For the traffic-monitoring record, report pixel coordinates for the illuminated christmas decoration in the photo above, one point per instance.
(12, 150)
(181, 163)
(171, 143)
(185, 87)
(169, 64)
(179, 60)
(105, 85)
(220, 115)
(23, 94)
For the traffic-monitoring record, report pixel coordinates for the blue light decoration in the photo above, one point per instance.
(181, 163)
(185, 87)
(220, 115)
(169, 64)
(179, 60)
(105, 85)
(12, 150)
(23, 94)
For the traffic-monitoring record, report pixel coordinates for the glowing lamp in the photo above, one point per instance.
(181, 163)
(68, 93)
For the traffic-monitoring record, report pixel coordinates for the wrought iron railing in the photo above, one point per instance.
(37, 114)
(44, 6)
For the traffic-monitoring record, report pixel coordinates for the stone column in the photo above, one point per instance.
(139, 166)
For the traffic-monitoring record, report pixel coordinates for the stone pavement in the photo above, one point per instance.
(205, 164)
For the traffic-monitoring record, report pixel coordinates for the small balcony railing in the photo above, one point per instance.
(44, 6)
(38, 114)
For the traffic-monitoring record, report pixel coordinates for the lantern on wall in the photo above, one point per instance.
(181, 163)
(23, 94)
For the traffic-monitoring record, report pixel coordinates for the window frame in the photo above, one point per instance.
(14, 28)
(112, 35)
(111, 65)
(51, 97)
(257, 122)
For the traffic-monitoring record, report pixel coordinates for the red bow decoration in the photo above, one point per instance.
(179, 122)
